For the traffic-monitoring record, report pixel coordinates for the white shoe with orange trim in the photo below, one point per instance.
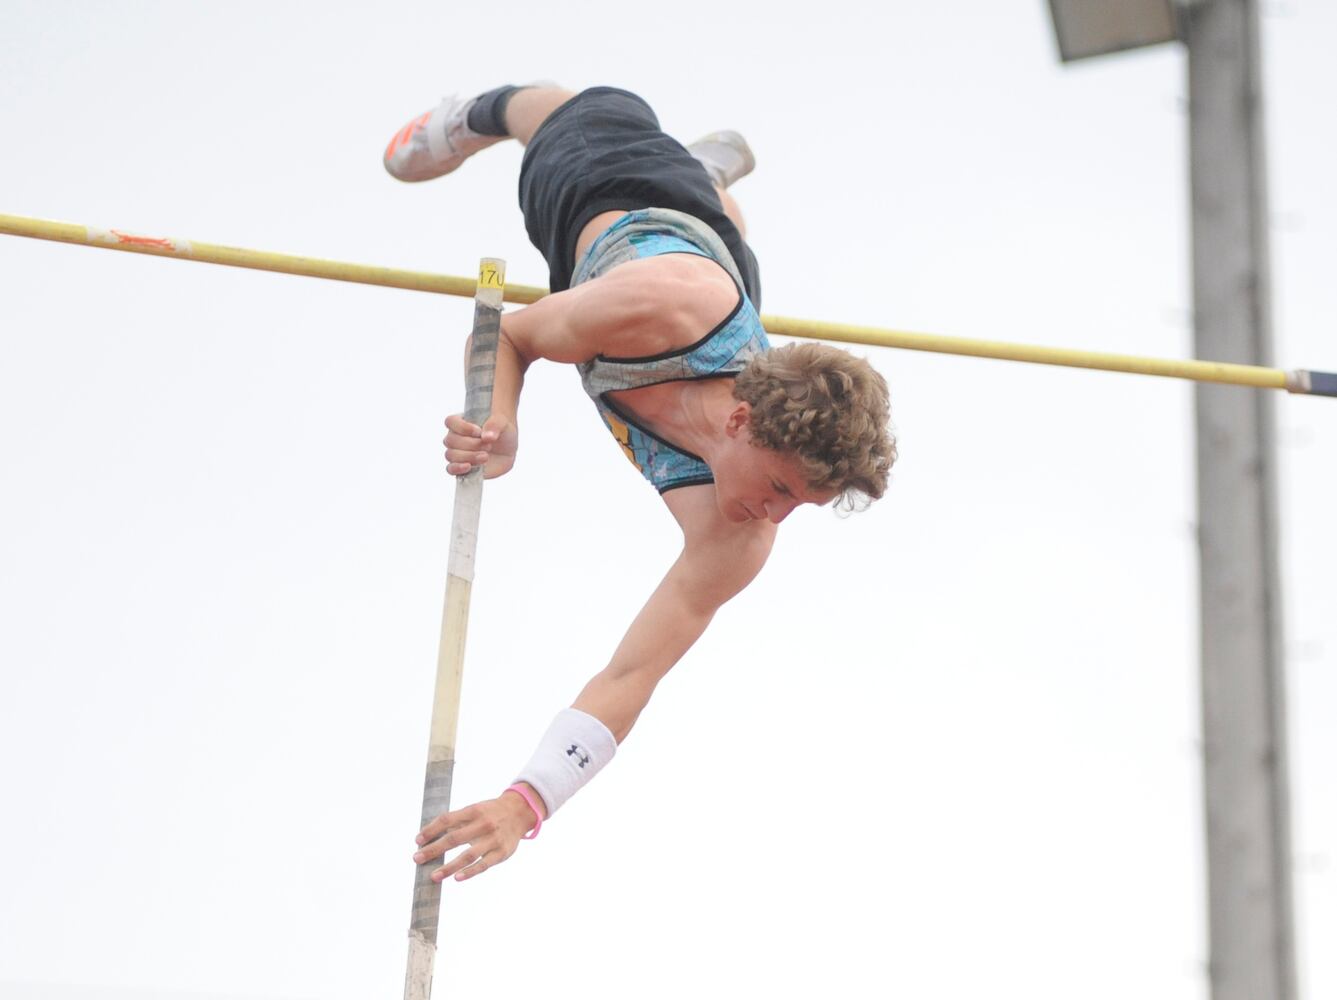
(436, 142)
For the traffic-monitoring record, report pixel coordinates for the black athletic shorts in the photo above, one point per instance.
(603, 150)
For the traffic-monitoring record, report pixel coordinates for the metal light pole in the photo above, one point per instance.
(1243, 669)
(1250, 923)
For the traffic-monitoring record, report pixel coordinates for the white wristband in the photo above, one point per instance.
(573, 750)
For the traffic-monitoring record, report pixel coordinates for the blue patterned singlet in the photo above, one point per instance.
(721, 353)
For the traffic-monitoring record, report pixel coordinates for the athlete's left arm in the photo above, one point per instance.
(719, 558)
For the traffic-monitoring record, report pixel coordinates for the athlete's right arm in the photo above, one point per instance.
(640, 308)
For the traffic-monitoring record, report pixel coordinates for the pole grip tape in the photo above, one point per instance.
(487, 330)
(478, 381)
(426, 914)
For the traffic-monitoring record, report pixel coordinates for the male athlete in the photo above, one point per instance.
(655, 298)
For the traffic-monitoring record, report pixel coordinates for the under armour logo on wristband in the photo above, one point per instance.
(581, 758)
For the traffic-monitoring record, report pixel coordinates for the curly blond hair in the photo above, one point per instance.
(829, 408)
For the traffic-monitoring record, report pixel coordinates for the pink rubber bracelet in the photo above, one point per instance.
(523, 792)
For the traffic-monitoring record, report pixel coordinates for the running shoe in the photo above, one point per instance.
(725, 155)
(436, 142)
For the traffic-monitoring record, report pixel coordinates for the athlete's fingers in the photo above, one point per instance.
(462, 468)
(471, 833)
(458, 425)
(477, 868)
(445, 821)
(436, 848)
(466, 456)
(448, 841)
(463, 441)
(490, 852)
(465, 859)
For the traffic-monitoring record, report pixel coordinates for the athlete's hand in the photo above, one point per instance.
(492, 446)
(489, 832)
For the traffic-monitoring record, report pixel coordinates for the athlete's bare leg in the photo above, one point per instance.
(529, 107)
(732, 210)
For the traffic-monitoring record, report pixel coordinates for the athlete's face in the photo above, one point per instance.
(753, 483)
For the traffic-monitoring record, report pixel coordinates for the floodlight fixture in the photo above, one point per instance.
(1087, 28)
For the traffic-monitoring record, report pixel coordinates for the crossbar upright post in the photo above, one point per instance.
(454, 624)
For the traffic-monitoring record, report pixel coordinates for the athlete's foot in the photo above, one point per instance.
(436, 142)
(725, 155)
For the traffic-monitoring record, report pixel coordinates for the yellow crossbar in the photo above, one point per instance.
(1300, 381)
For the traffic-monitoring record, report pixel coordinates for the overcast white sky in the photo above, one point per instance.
(944, 748)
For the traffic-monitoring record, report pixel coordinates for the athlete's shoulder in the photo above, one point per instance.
(681, 295)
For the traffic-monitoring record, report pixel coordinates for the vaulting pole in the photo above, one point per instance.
(1299, 381)
(454, 624)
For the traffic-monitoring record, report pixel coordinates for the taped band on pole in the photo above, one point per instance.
(1323, 383)
(487, 330)
(477, 408)
(1309, 383)
(426, 914)
(425, 917)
